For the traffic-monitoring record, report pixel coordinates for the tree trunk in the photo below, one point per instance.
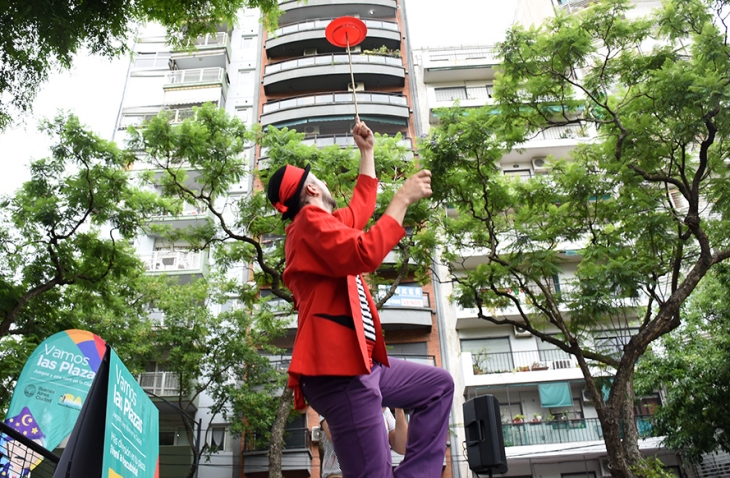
(276, 442)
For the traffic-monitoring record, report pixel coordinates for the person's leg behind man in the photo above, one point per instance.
(352, 408)
(428, 392)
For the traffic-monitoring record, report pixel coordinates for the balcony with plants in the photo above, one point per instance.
(307, 37)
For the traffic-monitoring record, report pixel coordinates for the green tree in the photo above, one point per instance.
(661, 120)
(202, 158)
(211, 342)
(65, 258)
(691, 366)
(39, 36)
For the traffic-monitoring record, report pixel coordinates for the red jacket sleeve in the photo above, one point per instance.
(337, 250)
(362, 205)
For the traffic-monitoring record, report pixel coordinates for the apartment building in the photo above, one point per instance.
(288, 78)
(223, 70)
(549, 423)
(305, 85)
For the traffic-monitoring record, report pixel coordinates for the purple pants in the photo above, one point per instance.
(353, 409)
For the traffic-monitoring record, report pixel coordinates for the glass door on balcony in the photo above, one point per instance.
(493, 355)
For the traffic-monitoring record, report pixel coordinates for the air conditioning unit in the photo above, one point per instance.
(521, 333)
(316, 434)
(538, 165)
(562, 364)
(586, 396)
(358, 86)
(310, 51)
(605, 470)
(311, 129)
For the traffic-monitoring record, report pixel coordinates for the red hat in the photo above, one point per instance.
(285, 187)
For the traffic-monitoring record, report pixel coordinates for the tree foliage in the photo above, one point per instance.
(65, 258)
(654, 93)
(40, 36)
(691, 366)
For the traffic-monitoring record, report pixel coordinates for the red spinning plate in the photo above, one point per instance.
(344, 29)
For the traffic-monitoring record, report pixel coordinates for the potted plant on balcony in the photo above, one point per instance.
(539, 366)
(519, 418)
(536, 418)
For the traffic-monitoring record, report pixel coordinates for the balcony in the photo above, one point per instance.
(533, 366)
(296, 455)
(338, 107)
(196, 86)
(294, 11)
(294, 39)
(210, 51)
(189, 216)
(562, 431)
(332, 72)
(407, 311)
(572, 6)
(459, 64)
(174, 262)
(324, 140)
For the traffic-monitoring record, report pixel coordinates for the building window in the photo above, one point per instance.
(159, 59)
(217, 438)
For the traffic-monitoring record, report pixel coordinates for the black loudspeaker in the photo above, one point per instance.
(484, 440)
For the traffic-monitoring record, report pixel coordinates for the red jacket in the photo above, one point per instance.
(324, 254)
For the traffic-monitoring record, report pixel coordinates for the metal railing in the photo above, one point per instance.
(341, 140)
(211, 39)
(164, 384)
(461, 54)
(336, 97)
(562, 132)
(331, 59)
(321, 24)
(562, 431)
(196, 75)
(526, 361)
(162, 261)
(575, 5)
(187, 211)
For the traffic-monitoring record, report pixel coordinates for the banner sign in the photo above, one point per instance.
(131, 438)
(51, 390)
(404, 296)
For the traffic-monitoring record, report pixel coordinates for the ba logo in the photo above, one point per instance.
(29, 390)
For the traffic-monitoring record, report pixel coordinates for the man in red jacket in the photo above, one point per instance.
(339, 363)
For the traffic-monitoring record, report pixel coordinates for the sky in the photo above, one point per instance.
(93, 88)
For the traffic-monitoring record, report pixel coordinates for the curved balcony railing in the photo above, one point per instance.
(341, 140)
(335, 97)
(321, 24)
(330, 60)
